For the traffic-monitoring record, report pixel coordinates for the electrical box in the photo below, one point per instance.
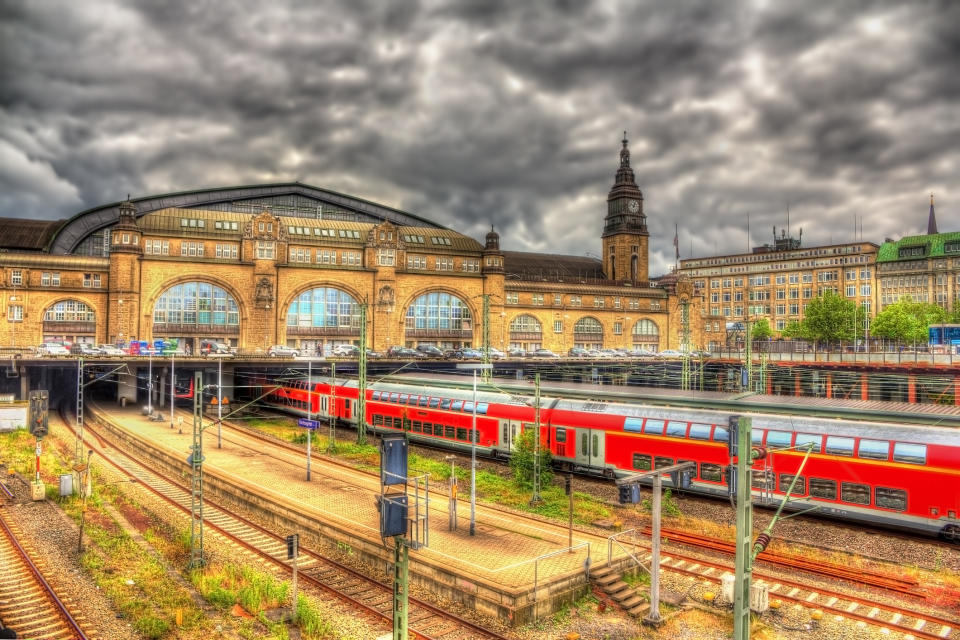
(393, 515)
(727, 582)
(629, 493)
(759, 597)
(39, 411)
(293, 546)
(393, 459)
(733, 431)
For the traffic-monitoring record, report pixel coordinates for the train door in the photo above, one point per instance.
(589, 446)
(509, 430)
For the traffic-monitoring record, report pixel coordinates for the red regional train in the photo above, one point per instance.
(898, 476)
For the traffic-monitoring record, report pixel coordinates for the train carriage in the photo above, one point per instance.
(899, 476)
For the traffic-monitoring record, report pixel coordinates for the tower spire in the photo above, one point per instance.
(932, 220)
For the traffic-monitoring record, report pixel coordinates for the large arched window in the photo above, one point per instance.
(195, 305)
(69, 311)
(324, 310)
(588, 333)
(646, 332)
(439, 314)
(525, 324)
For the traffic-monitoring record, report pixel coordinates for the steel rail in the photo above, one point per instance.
(435, 612)
(58, 608)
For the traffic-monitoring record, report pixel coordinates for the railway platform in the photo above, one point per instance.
(515, 569)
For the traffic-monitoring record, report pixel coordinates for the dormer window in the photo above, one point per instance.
(952, 247)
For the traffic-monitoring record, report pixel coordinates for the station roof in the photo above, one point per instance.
(548, 267)
(934, 245)
(17, 234)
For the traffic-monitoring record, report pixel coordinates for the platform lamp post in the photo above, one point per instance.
(173, 385)
(473, 443)
(150, 382)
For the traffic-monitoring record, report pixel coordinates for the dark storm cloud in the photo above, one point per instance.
(506, 113)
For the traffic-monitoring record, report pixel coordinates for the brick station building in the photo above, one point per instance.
(254, 266)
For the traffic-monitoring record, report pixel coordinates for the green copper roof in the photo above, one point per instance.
(933, 243)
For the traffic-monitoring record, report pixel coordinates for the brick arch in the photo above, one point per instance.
(150, 301)
(67, 298)
(465, 298)
(330, 284)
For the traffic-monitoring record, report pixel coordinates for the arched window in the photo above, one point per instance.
(325, 308)
(69, 311)
(588, 333)
(646, 332)
(195, 304)
(634, 268)
(439, 314)
(525, 324)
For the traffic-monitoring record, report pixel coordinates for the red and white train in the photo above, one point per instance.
(899, 476)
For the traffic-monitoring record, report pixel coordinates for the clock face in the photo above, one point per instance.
(634, 206)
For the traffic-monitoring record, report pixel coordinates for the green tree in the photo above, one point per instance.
(828, 318)
(793, 330)
(521, 461)
(760, 330)
(907, 321)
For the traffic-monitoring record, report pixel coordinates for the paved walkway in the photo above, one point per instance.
(502, 551)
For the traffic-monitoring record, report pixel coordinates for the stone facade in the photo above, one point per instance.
(265, 261)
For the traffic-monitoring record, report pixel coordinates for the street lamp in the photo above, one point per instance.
(150, 382)
(473, 444)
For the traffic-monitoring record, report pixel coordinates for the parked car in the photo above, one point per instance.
(406, 353)
(52, 349)
(517, 353)
(669, 353)
(208, 348)
(429, 351)
(374, 355)
(346, 351)
(111, 350)
(465, 353)
(84, 349)
(544, 353)
(642, 353)
(609, 353)
(282, 351)
(577, 352)
(496, 354)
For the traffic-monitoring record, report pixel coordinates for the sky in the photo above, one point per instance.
(498, 112)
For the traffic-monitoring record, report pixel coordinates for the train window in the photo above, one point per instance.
(803, 439)
(711, 472)
(462, 434)
(874, 449)
(445, 403)
(377, 420)
(424, 400)
(838, 446)
(700, 431)
(895, 499)
(417, 426)
(434, 403)
(394, 397)
(506, 432)
(799, 489)
(779, 438)
(468, 407)
(761, 479)
(427, 428)
(633, 424)
(403, 398)
(438, 429)
(676, 429)
(692, 471)
(660, 462)
(596, 444)
(653, 426)
(448, 431)
(482, 408)
(820, 488)
(911, 453)
(474, 435)
(583, 444)
(561, 434)
(720, 434)
(854, 493)
(756, 436)
(375, 395)
(456, 405)
(642, 461)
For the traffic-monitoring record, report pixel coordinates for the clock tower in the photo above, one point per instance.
(625, 235)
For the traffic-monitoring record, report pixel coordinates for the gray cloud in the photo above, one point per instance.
(504, 113)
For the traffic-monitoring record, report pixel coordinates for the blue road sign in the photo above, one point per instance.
(308, 424)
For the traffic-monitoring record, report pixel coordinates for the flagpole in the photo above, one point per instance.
(676, 246)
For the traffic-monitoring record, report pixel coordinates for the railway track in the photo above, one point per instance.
(368, 596)
(28, 603)
(867, 609)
